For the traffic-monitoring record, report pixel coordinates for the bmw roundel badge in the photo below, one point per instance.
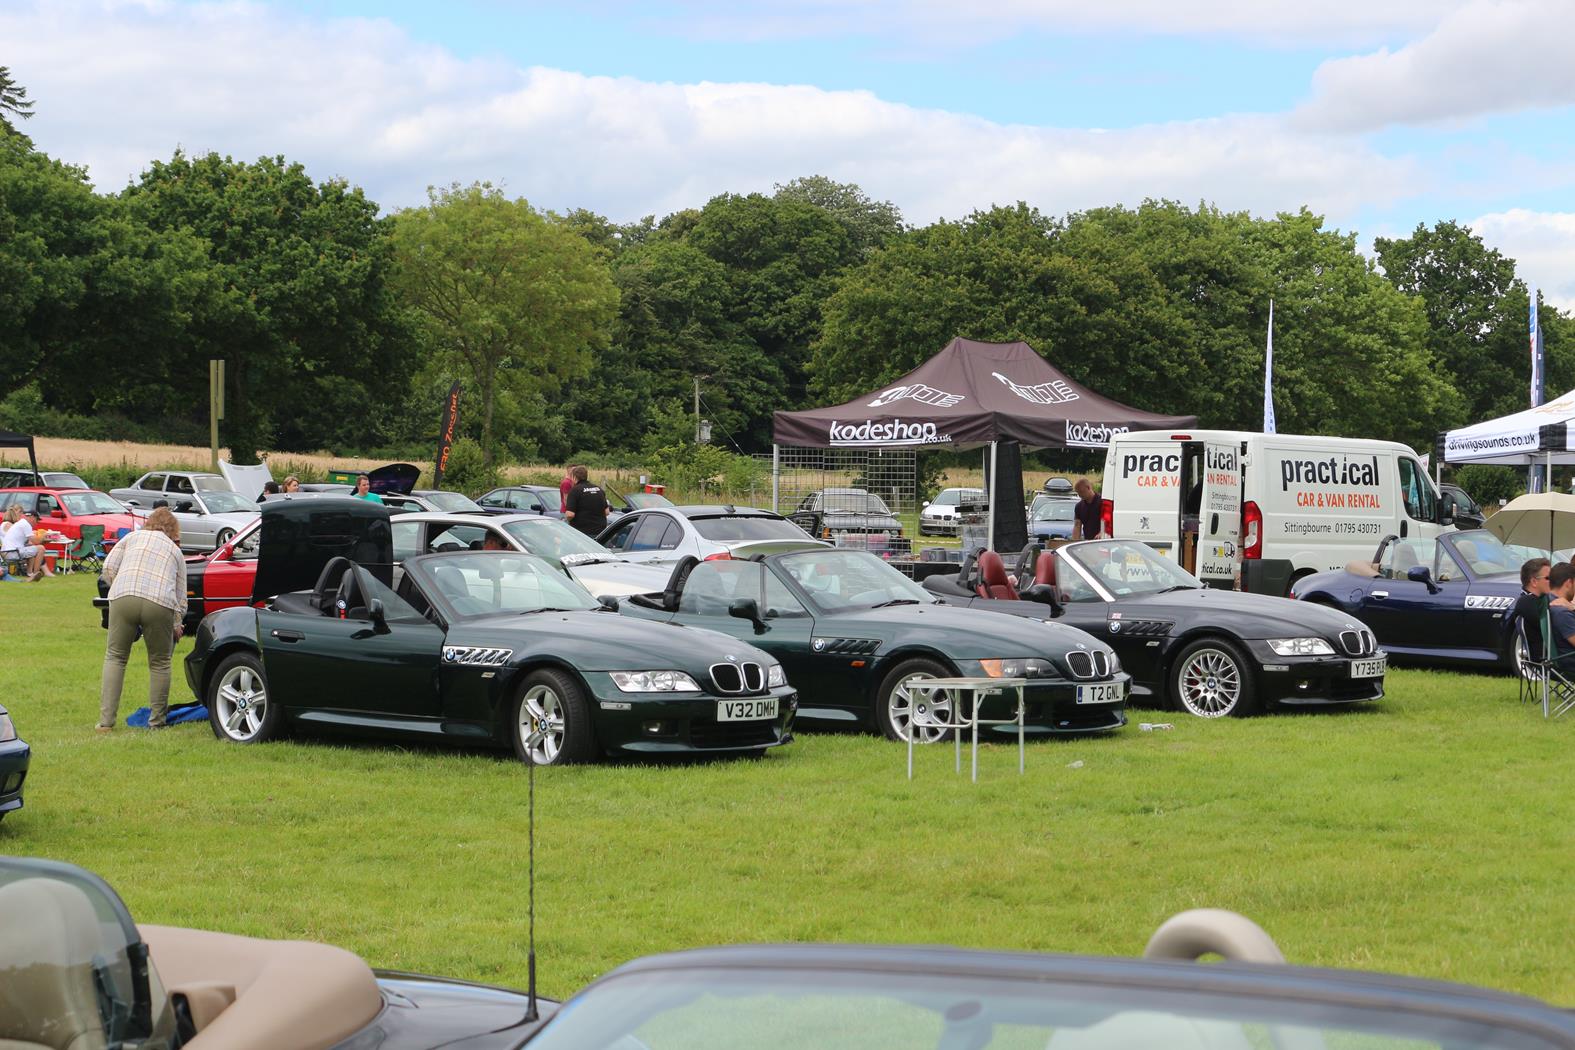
(818, 644)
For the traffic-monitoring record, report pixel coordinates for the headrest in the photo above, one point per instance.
(675, 582)
(992, 570)
(1044, 568)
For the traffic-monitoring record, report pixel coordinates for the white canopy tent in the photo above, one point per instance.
(1536, 436)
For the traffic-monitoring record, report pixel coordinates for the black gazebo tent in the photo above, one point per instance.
(972, 395)
(12, 440)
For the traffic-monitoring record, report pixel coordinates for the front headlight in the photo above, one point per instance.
(1301, 647)
(654, 682)
(776, 677)
(1018, 667)
(1115, 663)
(7, 729)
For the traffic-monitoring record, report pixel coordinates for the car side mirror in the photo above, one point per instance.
(379, 618)
(608, 602)
(926, 503)
(1447, 509)
(1422, 574)
(1046, 593)
(748, 609)
(57, 513)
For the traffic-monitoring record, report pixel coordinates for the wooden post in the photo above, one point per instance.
(215, 408)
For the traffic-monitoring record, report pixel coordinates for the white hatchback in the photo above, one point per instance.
(939, 517)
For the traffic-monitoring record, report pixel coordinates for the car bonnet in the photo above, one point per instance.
(972, 633)
(594, 640)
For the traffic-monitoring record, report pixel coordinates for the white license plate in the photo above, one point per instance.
(1102, 693)
(746, 710)
(1369, 668)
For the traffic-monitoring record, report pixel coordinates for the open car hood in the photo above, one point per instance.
(398, 478)
(300, 536)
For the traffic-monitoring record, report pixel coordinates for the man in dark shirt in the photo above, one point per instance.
(1088, 513)
(1535, 579)
(1562, 615)
(586, 505)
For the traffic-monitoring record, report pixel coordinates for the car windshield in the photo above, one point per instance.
(852, 502)
(67, 960)
(1486, 555)
(227, 503)
(1054, 510)
(781, 1008)
(453, 502)
(62, 480)
(1130, 568)
(952, 497)
(553, 540)
(211, 483)
(641, 500)
(843, 579)
(90, 503)
(485, 583)
(740, 528)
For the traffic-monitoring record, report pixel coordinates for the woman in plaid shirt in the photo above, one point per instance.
(147, 590)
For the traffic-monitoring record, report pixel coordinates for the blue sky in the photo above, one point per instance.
(1379, 115)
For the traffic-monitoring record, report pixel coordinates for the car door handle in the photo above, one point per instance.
(1377, 595)
(289, 636)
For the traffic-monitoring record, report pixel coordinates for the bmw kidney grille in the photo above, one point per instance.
(1089, 665)
(1358, 643)
(738, 678)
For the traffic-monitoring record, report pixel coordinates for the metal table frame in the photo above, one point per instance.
(977, 689)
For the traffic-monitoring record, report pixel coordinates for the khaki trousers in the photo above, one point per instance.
(126, 614)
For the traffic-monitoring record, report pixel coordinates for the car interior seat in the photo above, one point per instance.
(349, 602)
(1404, 561)
(993, 580)
(49, 998)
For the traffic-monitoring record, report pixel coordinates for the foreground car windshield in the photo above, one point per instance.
(843, 579)
(227, 503)
(484, 583)
(90, 503)
(1130, 568)
(853, 502)
(730, 528)
(697, 1009)
(452, 502)
(554, 540)
(1486, 555)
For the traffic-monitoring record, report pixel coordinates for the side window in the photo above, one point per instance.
(407, 539)
(780, 601)
(714, 585)
(179, 483)
(47, 504)
(245, 548)
(532, 502)
(492, 499)
(1416, 490)
(1073, 587)
(1401, 556)
(153, 483)
(1445, 567)
(670, 538)
(650, 534)
(619, 540)
(458, 538)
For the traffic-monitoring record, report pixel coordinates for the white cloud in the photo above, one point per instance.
(1542, 243)
(1291, 22)
(120, 84)
(1490, 56)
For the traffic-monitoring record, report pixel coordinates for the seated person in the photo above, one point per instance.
(1562, 615)
(1535, 578)
(494, 542)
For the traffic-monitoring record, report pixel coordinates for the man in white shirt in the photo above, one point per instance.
(18, 538)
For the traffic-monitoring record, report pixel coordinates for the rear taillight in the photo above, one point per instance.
(1107, 517)
(1251, 530)
(719, 556)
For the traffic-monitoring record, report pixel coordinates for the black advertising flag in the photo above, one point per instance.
(446, 434)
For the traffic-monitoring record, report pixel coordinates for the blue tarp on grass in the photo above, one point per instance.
(138, 719)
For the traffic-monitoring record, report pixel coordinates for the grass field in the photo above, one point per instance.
(1429, 834)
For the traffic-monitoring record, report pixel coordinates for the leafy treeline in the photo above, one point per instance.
(343, 327)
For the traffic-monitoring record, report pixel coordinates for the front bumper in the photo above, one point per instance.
(1050, 708)
(684, 723)
(939, 526)
(14, 758)
(1313, 681)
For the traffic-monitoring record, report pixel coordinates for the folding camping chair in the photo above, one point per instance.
(1558, 691)
(88, 550)
(1528, 671)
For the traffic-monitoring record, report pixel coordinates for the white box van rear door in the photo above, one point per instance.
(1219, 512)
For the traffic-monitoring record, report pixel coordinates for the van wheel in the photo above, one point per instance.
(1211, 679)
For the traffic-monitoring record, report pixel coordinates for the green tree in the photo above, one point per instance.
(515, 302)
(301, 311)
(1477, 312)
(13, 100)
(870, 223)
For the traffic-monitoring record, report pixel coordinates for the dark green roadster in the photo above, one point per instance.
(853, 632)
(471, 647)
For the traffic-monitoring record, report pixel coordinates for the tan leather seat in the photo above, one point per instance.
(48, 998)
(252, 994)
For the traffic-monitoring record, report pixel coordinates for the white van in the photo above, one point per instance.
(1304, 504)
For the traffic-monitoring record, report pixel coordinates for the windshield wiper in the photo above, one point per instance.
(1176, 587)
(898, 601)
(528, 612)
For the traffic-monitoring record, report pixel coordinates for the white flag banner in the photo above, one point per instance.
(1268, 377)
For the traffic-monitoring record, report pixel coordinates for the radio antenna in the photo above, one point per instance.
(530, 834)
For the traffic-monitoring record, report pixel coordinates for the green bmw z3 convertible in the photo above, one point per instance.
(472, 647)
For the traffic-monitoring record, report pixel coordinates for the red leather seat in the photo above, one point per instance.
(1044, 569)
(993, 581)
